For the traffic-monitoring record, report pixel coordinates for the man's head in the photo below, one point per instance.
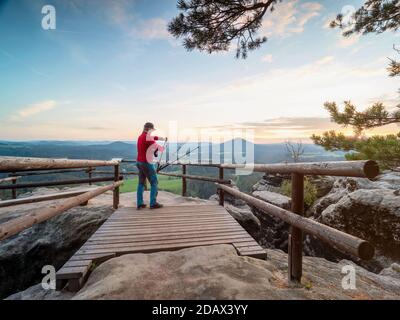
(148, 126)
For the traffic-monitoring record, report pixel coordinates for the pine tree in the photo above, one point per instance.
(212, 25)
(375, 16)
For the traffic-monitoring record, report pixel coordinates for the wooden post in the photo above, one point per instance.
(116, 190)
(184, 181)
(221, 192)
(295, 248)
(14, 191)
(90, 175)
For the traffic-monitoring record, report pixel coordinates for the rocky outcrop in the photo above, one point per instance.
(367, 209)
(217, 272)
(270, 182)
(52, 242)
(243, 214)
(323, 184)
(273, 198)
(240, 211)
(273, 231)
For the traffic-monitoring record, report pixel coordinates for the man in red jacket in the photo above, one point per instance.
(146, 147)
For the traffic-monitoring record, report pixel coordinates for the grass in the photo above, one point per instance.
(164, 183)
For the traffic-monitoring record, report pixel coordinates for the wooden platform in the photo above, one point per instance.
(170, 228)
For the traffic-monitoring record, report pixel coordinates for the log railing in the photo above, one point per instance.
(20, 167)
(23, 167)
(298, 224)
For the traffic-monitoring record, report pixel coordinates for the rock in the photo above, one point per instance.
(274, 232)
(367, 209)
(392, 271)
(36, 292)
(52, 242)
(273, 198)
(270, 182)
(217, 272)
(240, 211)
(243, 214)
(373, 215)
(323, 184)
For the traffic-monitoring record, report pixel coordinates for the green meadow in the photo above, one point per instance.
(170, 184)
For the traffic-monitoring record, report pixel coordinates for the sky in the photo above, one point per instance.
(110, 66)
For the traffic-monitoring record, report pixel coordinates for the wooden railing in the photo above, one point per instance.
(22, 167)
(298, 224)
(19, 167)
(338, 239)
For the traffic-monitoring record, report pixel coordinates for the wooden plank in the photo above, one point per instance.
(183, 208)
(162, 238)
(140, 242)
(159, 247)
(96, 257)
(72, 272)
(154, 217)
(165, 223)
(253, 247)
(169, 218)
(157, 228)
(171, 209)
(165, 233)
(249, 243)
(169, 222)
(172, 229)
(77, 263)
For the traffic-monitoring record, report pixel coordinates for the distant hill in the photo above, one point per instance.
(79, 150)
(263, 153)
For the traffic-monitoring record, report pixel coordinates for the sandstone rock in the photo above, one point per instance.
(52, 242)
(274, 232)
(273, 198)
(367, 209)
(243, 214)
(269, 182)
(372, 214)
(393, 271)
(323, 184)
(217, 272)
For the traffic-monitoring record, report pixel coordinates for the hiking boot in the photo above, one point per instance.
(156, 206)
(142, 206)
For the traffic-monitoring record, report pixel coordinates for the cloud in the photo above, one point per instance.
(289, 18)
(118, 12)
(98, 128)
(267, 58)
(36, 108)
(155, 28)
(345, 42)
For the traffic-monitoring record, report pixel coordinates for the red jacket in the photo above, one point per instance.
(146, 145)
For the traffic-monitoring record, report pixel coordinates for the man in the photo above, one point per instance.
(146, 147)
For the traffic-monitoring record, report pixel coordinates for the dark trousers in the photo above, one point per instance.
(147, 171)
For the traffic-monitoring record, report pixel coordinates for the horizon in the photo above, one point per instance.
(109, 67)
